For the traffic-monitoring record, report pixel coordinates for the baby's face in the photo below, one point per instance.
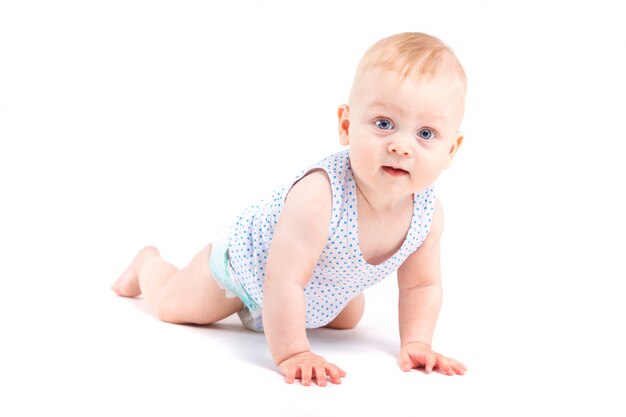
(401, 133)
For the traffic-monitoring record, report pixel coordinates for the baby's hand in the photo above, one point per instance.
(307, 365)
(416, 355)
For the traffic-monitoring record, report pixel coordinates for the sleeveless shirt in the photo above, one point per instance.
(341, 272)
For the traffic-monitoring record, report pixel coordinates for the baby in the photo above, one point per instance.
(302, 258)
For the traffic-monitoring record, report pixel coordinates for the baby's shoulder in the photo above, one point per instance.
(307, 209)
(313, 187)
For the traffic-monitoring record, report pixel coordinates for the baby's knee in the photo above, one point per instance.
(169, 309)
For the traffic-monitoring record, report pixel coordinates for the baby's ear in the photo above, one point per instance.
(344, 124)
(454, 148)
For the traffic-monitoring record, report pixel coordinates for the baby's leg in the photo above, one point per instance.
(188, 295)
(350, 315)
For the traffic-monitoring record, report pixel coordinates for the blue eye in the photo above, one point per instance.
(426, 134)
(384, 124)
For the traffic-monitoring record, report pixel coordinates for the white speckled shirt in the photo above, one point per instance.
(341, 272)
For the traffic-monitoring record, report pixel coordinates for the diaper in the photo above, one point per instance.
(222, 271)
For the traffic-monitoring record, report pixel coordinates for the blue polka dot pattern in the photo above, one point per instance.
(341, 272)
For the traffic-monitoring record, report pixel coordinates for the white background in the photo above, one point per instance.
(125, 123)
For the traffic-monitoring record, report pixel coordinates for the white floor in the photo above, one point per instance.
(70, 345)
(130, 124)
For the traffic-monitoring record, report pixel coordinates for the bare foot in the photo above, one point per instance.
(127, 285)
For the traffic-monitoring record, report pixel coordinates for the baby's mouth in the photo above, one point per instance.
(396, 172)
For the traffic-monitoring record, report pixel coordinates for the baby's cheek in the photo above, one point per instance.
(359, 161)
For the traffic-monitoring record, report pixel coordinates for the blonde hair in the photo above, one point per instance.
(412, 54)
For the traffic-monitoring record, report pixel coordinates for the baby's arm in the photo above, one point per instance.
(299, 238)
(419, 281)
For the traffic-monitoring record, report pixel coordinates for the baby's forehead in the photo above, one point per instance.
(414, 73)
(379, 84)
(440, 97)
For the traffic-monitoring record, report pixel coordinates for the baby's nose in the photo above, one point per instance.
(400, 147)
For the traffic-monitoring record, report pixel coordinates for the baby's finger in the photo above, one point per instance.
(306, 370)
(444, 365)
(458, 367)
(290, 374)
(320, 376)
(405, 361)
(335, 373)
(431, 361)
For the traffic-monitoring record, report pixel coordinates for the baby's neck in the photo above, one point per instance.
(370, 201)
